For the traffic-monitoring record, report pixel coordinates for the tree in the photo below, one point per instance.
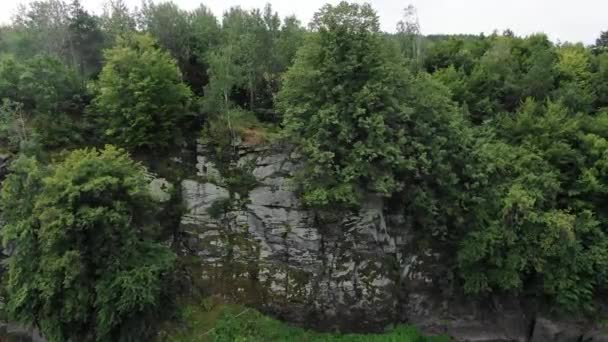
(457, 82)
(140, 94)
(46, 22)
(188, 36)
(410, 36)
(85, 266)
(86, 40)
(56, 29)
(16, 41)
(495, 81)
(117, 20)
(259, 48)
(206, 31)
(47, 86)
(47, 92)
(244, 35)
(601, 44)
(43, 84)
(539, 227)
(272, 25)
(170, 26)
(10, 78)
(225, 74)
(462, 52)
(600, 81)
(205, 37)
(14, 125)
(574, 76)
(290, 39)
(358, 116)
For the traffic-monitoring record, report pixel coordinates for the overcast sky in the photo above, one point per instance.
(573, 21)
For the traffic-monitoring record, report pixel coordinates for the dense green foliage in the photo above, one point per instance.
(140, 95)
(47, 93)
(363, 122)
(494, 148)
(542, 224)
(85, 265)
(534, 218)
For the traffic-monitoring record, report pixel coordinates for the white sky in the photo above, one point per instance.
(573, 21)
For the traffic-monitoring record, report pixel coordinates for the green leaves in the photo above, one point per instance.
(41, 92)
(140, 95)
(534, 218)
(538, 229)
(85, 261)
(347, 104)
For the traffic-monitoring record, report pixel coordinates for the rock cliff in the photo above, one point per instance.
(348, 271)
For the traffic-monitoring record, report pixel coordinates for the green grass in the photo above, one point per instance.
(233, 323)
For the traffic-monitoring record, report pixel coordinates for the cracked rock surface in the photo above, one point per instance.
(352, 271)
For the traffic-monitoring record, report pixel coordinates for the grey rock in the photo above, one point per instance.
(280, 198)
(337, 268)
(18, 332)
(198, 199)
(599, 335)
(506, 327)
(206, 168)
(200, 196)
(546, 330)
(478, 332)
(160, 190)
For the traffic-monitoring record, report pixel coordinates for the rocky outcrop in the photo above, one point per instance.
(16, 332)
(596, 335)
(269, 250)
(350, 270)
(547, 330)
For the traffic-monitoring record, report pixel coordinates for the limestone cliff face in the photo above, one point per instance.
(349, 271)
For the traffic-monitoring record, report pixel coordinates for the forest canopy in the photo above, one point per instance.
(494, 147)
